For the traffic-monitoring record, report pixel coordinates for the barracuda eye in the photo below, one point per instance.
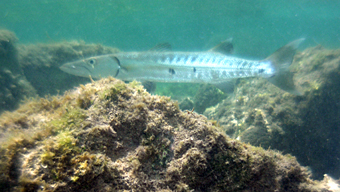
(92, 61)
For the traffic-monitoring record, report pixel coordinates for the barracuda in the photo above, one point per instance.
(214, 66)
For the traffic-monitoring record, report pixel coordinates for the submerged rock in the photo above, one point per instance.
(206, 96)
(13, 84)
(305, 126)
(186, 104)
(112, 136)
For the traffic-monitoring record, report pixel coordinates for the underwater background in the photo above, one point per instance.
(257, 27)
(37, 36)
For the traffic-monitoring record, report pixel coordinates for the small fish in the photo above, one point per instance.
(215, 66)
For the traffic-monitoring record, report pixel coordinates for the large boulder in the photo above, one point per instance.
(112, 136)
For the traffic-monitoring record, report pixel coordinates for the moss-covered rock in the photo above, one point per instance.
(112, 136)
(306, 126)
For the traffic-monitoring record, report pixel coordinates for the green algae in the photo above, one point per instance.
(72, 119)
(112, 93)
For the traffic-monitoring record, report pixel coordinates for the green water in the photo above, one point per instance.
(258, 27)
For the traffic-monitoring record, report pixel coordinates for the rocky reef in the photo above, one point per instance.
(112, 136)
(305, 126)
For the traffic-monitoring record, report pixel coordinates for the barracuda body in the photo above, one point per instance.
(213, 66)
(188, 67)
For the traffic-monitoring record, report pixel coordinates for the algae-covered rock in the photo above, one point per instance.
(305, 126)
(13, 85)
(41, 62)
(112, 136)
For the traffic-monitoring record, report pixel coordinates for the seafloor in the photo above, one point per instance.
(111, 136)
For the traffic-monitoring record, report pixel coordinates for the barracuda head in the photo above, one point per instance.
(96, 67)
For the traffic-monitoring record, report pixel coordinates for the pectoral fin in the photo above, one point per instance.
(226, 86)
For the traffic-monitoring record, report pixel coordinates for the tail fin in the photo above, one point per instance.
(281, 60)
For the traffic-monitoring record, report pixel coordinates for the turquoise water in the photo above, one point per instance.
(257, 27)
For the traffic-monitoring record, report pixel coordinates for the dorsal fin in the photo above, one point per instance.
(225, 47)
(161, 47)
